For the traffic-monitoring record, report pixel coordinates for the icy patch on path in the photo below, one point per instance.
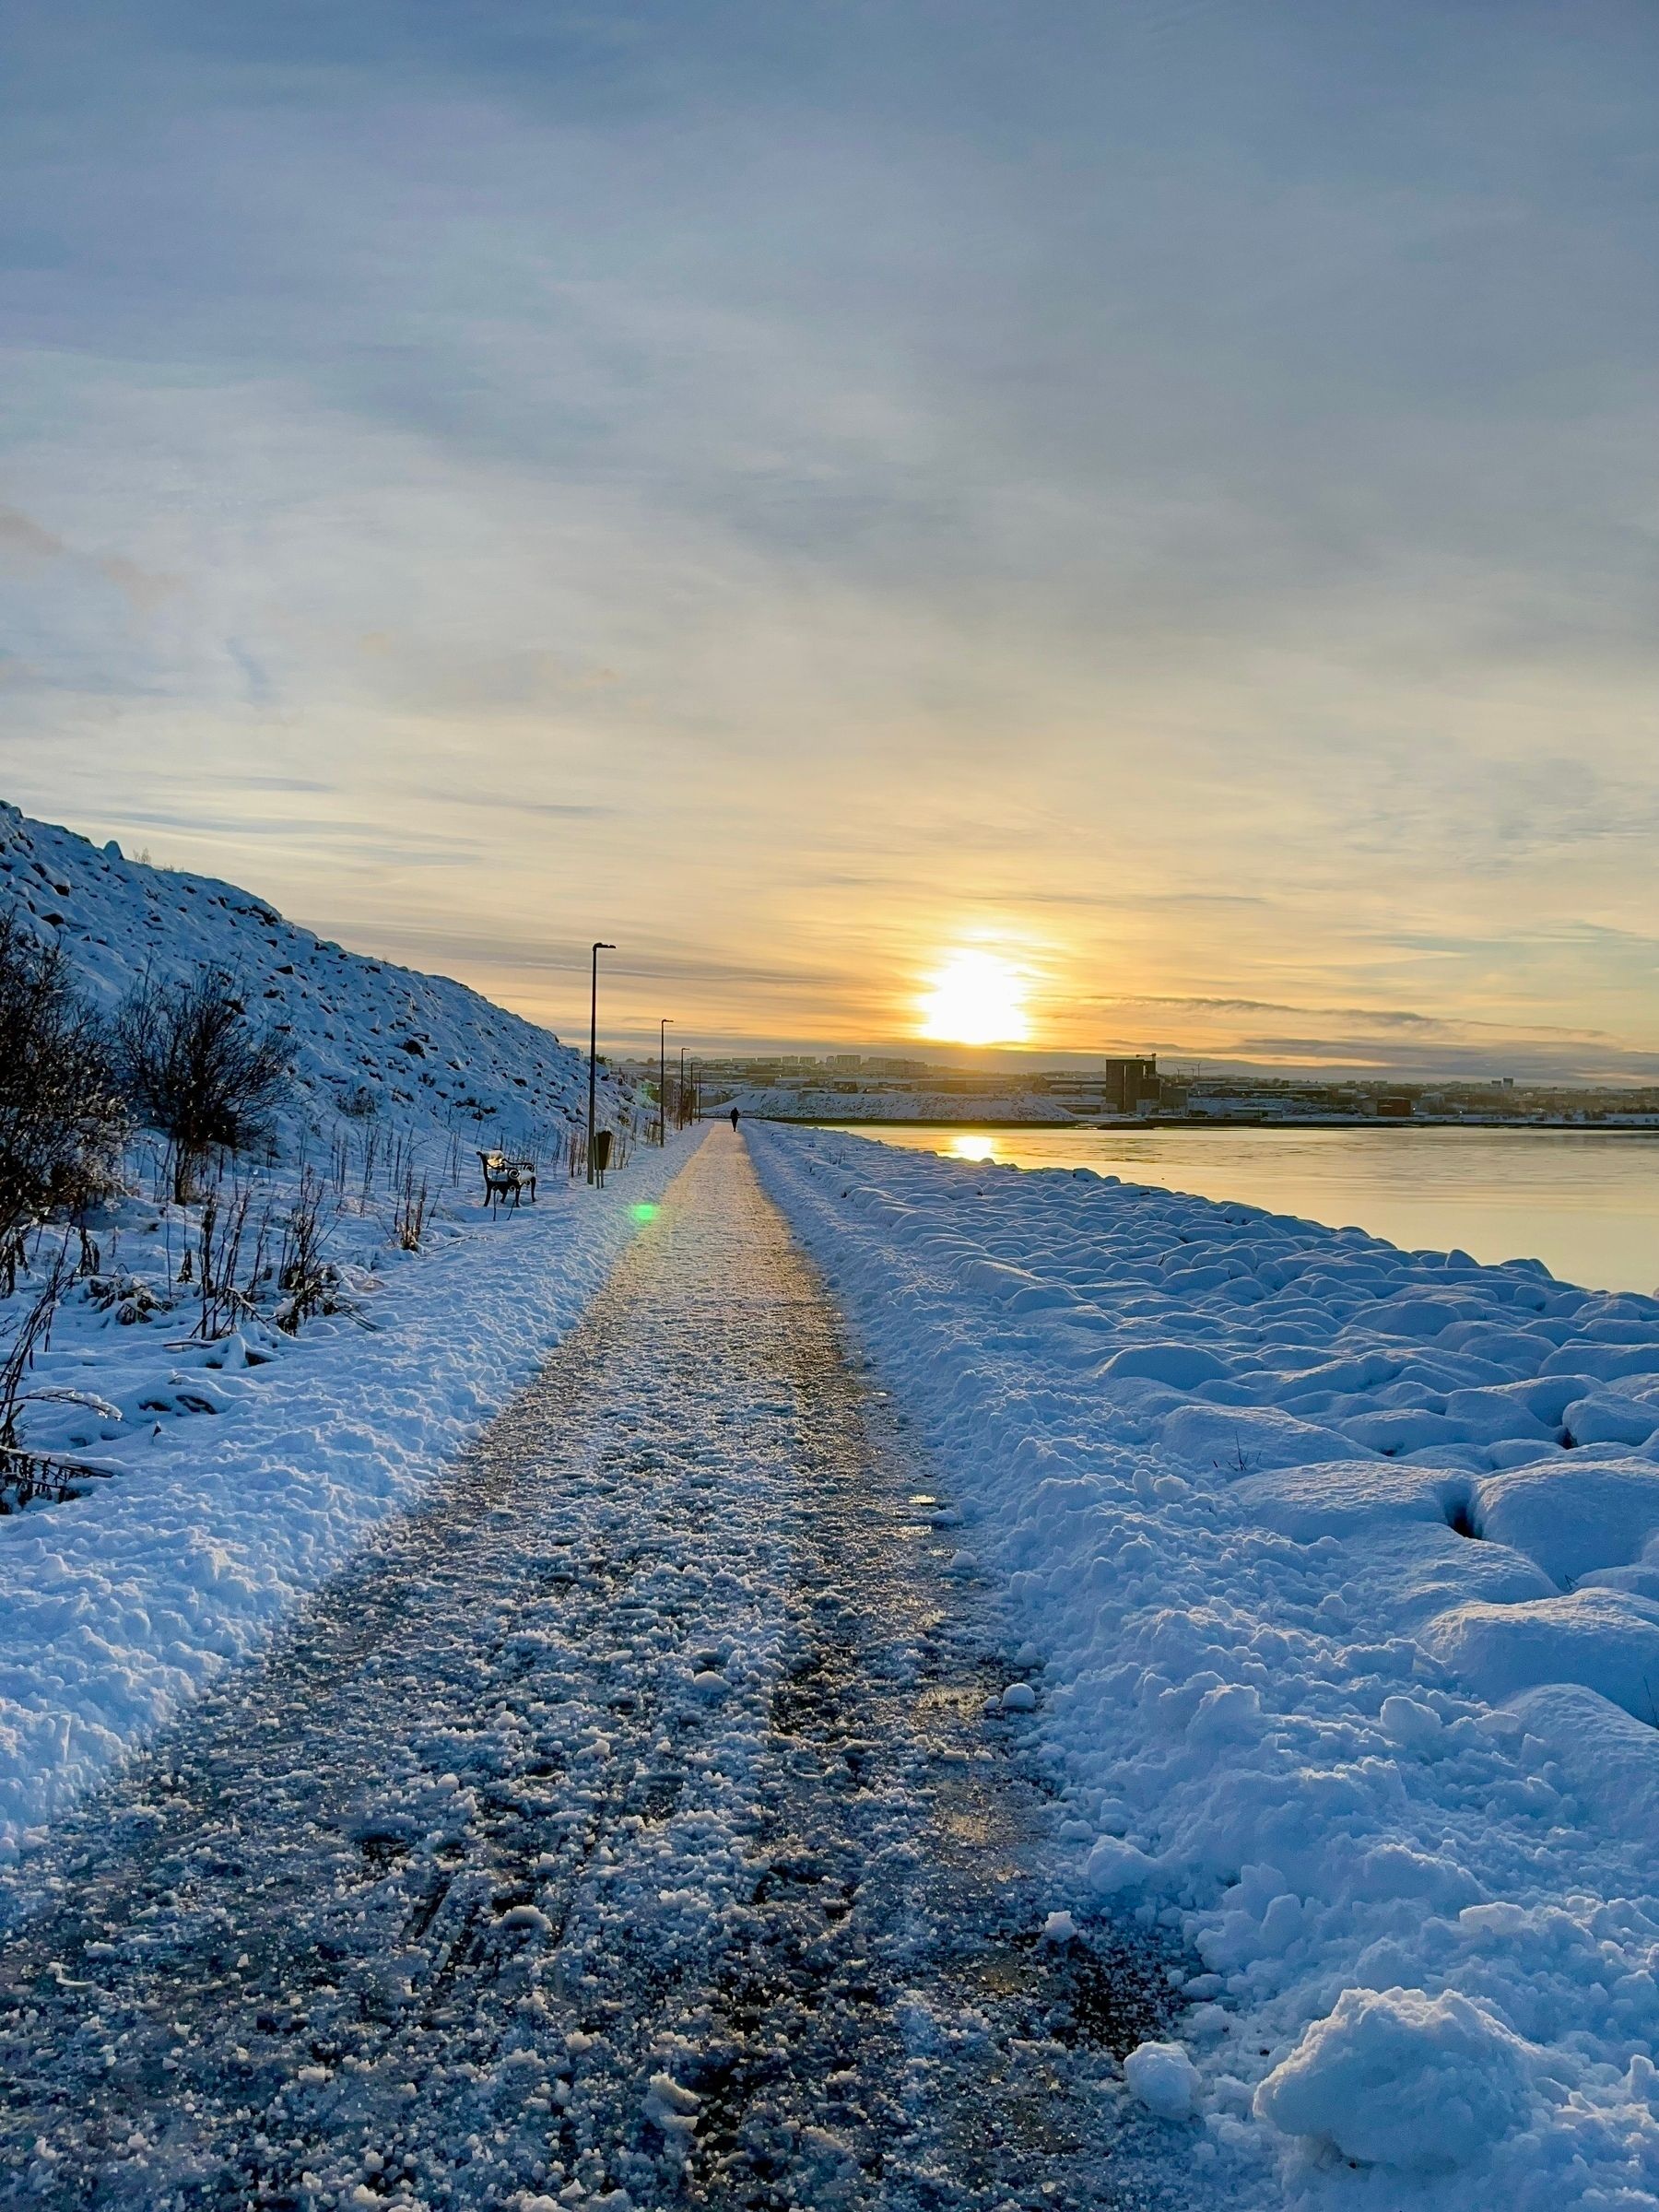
(641, 1825)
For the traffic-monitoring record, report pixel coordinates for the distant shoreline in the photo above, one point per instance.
(1206, 1127)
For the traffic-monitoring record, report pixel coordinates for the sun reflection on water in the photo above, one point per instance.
(972, 1147)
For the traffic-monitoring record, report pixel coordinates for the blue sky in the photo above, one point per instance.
(1165, 490)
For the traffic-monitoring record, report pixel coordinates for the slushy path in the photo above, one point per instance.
(627, 1829)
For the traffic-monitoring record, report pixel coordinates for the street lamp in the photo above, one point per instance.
(663, 1081)
(594, 1050)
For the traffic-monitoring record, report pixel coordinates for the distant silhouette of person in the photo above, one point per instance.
(734, 1117)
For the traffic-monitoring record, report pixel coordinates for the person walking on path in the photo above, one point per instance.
(734, 1117)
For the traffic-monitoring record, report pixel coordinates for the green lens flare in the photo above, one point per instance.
(643, 1211)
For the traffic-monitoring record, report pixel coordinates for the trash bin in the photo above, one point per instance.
(601, 1152)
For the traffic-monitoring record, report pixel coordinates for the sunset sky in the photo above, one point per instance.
(1162, 496)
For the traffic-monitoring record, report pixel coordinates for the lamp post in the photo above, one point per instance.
(594, 1050)
(662, 1079)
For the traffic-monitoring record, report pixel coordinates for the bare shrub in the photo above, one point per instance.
(414, 1211)
(224, 1226)
(371, 1141)
(60, 1113)
(259, 1265)
(400, 1160)
(303, 1275)
(196, 1068)
(32, 1333)
(26, 1475)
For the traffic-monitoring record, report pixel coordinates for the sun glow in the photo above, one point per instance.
(976, 998)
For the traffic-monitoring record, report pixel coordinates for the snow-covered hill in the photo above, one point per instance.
(396, 1083)
(364, 1035)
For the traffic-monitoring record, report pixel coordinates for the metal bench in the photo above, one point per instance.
(505, 1178)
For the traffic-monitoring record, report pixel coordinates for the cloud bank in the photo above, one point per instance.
(795, 491)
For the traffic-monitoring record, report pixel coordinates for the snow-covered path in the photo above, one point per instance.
(627, 1829)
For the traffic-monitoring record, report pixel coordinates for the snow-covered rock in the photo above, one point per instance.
(1164, 2078)
(1394, 2077)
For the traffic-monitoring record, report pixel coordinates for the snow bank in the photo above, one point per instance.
(1343, 1563)
(115, 1607)
(243, 1465)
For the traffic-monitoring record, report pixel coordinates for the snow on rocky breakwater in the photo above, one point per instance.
(1344, 1565)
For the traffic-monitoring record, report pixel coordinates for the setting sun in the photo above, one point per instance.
(976, 998)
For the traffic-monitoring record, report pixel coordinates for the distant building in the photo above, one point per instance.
(1117, 1087)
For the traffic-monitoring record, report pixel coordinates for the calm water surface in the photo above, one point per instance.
(1586, 1205)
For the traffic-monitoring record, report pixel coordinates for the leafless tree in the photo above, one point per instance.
(196, 1068)
(61, 1117)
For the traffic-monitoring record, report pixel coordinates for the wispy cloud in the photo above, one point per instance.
(22, 539)
(515, 803)
(828, 481)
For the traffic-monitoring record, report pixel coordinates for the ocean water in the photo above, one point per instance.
(1585, 1205)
